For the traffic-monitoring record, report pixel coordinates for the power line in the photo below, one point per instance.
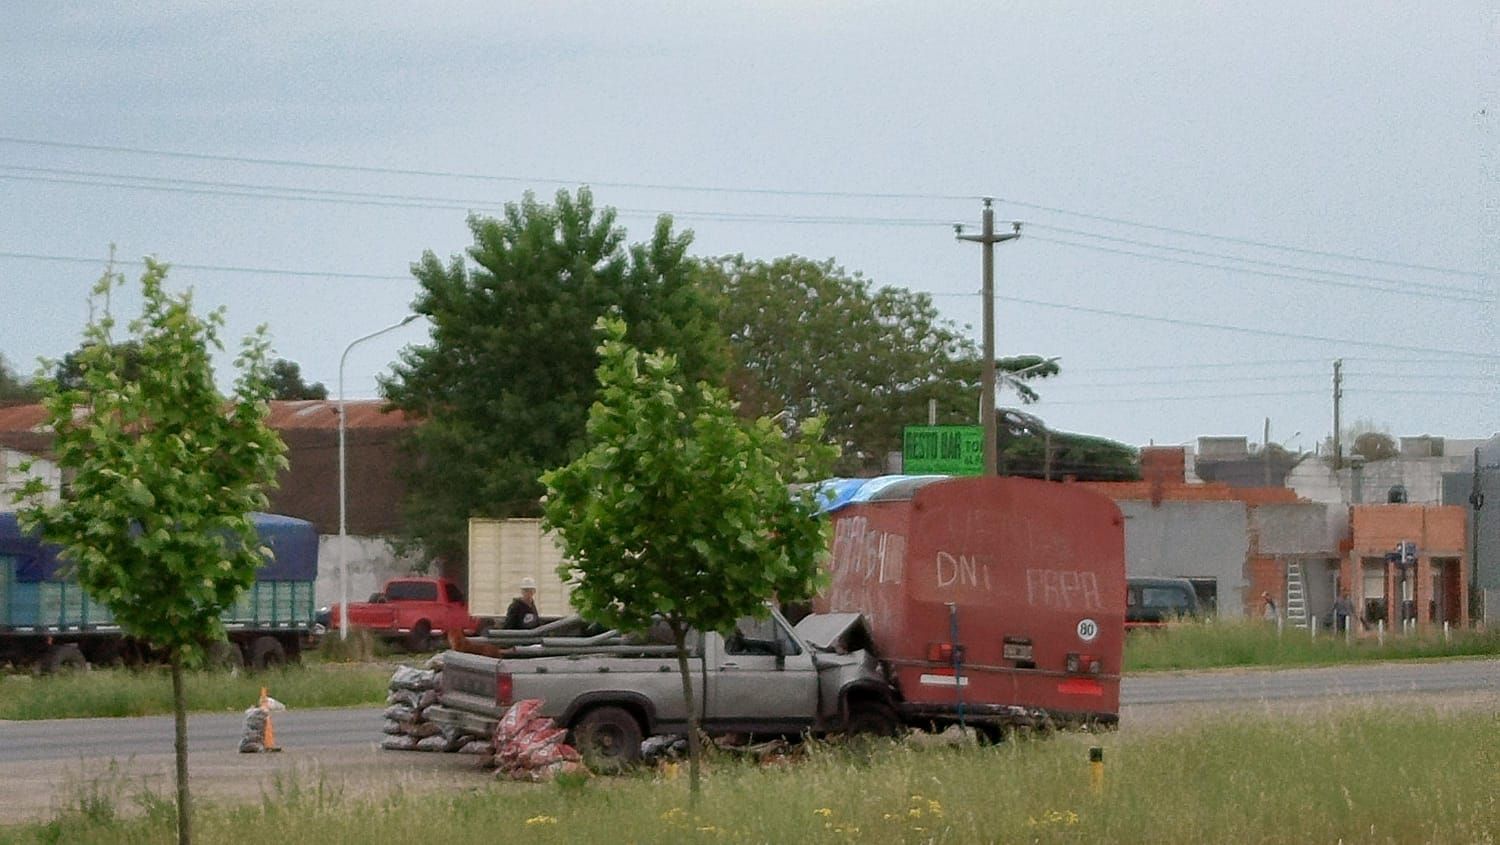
(1227, 256)
(1437, 293)
(1243, 241)
(1174, 321)
(216, 268)
(319, 195)
(1204, 397)
(486, 177)
(712, 189)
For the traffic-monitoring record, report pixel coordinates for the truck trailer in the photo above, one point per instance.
(47, 620)
(999, 602)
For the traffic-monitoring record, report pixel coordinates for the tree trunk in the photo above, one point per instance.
(679, 633)
(179, 713)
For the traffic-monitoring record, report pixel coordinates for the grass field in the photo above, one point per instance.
(124, 692)
(1216, 643)
(1373, 776)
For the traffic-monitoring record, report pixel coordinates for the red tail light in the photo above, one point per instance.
(504, 689)
(944, 652)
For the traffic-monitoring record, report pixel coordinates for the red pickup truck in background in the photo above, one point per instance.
(416, 612)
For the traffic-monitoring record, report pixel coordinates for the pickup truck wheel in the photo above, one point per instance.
(608, 738)
(420, 637)
(267, 653)
(66, 657)
(872, 718)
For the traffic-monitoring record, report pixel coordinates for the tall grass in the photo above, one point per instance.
(1220, 643)
(125, 692)
(1367, 777)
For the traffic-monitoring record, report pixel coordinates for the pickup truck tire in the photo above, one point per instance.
(868, 717)
(608, 738)
(267, 653)
(66, 657)
(420, 637)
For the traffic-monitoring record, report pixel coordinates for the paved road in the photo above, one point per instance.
(358, 728)
(1367, 681)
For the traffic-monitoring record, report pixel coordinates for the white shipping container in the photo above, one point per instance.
(501, 553)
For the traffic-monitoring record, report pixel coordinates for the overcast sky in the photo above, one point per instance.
(1344, 159)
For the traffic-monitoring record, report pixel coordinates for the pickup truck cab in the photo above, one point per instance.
(413, 611)
(1153, 602)
(764, 678)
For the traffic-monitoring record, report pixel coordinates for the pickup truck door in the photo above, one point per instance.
(761, 675)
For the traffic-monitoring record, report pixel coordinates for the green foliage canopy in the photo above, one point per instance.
(810, 339)
(155, 521)
(15, 389)
(286, 382)
(505, 385)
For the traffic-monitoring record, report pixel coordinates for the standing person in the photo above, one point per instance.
(1269, 611)
(522, 613)
(1343, 610)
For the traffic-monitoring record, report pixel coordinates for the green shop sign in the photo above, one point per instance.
(942, 450)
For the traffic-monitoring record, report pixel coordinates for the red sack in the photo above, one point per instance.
(515, 719)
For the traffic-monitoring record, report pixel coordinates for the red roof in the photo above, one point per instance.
(302, 414)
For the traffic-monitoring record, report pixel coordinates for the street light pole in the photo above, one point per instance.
(343, 481)
(987, 239)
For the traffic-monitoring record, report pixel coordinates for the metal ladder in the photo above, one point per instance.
(1296, 596)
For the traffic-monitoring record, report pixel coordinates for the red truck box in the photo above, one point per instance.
(1030, 574)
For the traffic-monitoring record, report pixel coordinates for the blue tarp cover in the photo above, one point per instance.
(835, 493)
(293, 544)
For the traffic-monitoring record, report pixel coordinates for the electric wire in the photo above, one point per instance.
(719, 189)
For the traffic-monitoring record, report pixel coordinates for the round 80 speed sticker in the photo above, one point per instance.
(1088, 629)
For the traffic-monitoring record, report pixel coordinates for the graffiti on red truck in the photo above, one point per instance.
(1000, 600)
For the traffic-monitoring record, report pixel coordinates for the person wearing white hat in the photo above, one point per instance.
(522, 612)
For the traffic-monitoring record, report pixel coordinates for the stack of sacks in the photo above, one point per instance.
(531, 747)
(412, 691)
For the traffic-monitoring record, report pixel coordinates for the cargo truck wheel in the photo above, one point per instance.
(608, 738)
(871, 718)
(267, 653)
(420, 637)
(63, 658)
(225, 656)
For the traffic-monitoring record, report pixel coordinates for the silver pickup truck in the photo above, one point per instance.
(611, 692)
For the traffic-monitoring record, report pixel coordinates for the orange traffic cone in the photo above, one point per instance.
(265, 704)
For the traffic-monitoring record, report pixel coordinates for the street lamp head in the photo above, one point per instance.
(409, 319)
(958, 230)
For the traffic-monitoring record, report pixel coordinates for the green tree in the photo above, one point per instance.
(680, 510)
(71, 372)
(810, 339)
(287, 383)
(155, 522)
(15, 389)
(504, 387)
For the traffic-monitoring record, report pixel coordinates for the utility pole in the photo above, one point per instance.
(1338, 394)
(987, 240)
(1265, 451)
(1476, 503)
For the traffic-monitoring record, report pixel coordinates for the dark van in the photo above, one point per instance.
(1151, 602)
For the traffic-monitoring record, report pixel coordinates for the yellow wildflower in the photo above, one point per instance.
(673, 815)
(914, 812)
(823, 811)
(935, 808)
(542, 820)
